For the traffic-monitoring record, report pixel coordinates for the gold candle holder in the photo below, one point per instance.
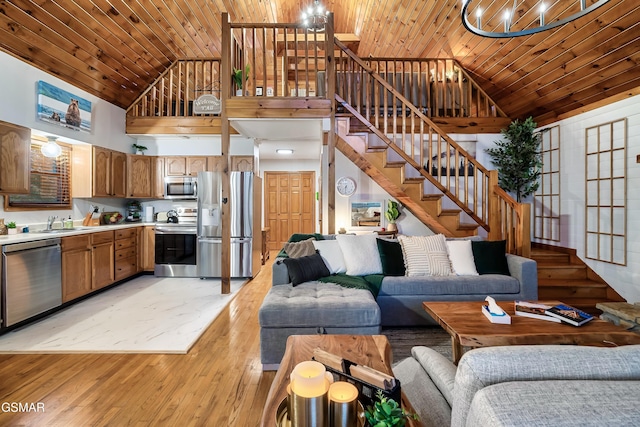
(343, 404)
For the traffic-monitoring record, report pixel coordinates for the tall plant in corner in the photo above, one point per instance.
(517, 158)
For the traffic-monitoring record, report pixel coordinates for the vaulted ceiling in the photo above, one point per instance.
(113, 49)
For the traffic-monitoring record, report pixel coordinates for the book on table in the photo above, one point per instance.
(533, 310)
(569, 314)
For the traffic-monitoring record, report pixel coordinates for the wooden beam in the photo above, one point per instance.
(225, 142)
(331, 137)
(205, 125)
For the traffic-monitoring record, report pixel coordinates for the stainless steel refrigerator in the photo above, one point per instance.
(210, 225)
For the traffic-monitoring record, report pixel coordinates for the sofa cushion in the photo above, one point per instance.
(490, 257)
(318, 304)
(360, 254)
(391, 257)
(298, 237)
(449, 285)
(461, 256)
(331, 254)
(299, 249)
(425, 255)
(557, 403)
(306, 268)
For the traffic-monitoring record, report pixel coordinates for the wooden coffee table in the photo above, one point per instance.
(468, 327)
(370, 350)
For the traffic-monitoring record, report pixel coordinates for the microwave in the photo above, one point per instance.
(180, 187)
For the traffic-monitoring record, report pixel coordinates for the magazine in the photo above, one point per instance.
(569, 314)
(534, 310)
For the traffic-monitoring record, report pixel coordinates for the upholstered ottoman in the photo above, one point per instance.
(313, 308)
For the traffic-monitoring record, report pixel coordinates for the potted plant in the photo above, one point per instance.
(237, 78)
(11, 227)
(387, 413)
(139, 149)
(517, 158)
(392, 213)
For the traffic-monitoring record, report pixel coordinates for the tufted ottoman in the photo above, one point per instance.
(313, 308)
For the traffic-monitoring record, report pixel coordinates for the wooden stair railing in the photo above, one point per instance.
(448, 167)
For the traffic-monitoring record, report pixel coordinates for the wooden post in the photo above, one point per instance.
(494, 216)
(225, 86)
(331, 142)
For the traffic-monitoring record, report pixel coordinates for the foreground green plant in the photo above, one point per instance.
(387, 413)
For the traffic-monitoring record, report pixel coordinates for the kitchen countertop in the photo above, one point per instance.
(32, 236)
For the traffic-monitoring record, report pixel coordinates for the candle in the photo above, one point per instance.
(343, 410)
(308, 379)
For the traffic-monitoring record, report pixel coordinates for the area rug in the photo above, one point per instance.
(145, 315)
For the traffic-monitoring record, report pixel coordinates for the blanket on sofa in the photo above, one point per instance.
(371, 282)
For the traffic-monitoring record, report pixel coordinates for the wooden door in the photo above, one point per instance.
(118, 174)
(139, 169)
(15, 152)
(195, 165)
(76, 267)
(242, 163)
(149, 249)
(102, 265)
(289, 205)
(175, 166)
(214, 163)
(101, 172)
(158, 178)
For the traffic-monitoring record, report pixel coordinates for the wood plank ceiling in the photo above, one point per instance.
(115, 48)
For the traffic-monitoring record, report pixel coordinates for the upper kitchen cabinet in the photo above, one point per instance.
(15, 142)
(140, 171)
(180, 166)
(109, 173)
(158, 177)
(242, 163)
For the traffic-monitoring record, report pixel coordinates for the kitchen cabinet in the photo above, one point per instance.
(242, 163)
(214, 164)
(180, 166)
(15, 152)
(158, 177)
(102, 259)
(139, 248)
(109, 173)
(139, 176)
(149, 245)
(76, 266)
(125, 253)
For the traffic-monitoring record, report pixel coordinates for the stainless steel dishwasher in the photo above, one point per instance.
(31, 279)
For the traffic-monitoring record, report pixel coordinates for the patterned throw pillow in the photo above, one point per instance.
(426, 255)
(300, 249)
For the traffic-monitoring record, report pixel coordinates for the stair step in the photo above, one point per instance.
(569, 271)
(563, 292)
(450, 212)
(550, 257)
(432, 197)
(414, 180)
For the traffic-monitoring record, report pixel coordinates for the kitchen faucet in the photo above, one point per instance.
(50, 221)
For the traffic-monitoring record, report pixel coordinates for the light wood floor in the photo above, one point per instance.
(218, 383)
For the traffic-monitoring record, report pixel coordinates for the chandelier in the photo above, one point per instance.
(315, 17)
(523, 22)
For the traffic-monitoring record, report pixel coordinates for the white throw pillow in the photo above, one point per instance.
(360, 253)
(425, 255)
(461, 256)
(331, 255)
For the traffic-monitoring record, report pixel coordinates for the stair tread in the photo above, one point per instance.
(562, 266)
(450, 212)
(570, 282)
(467, 226)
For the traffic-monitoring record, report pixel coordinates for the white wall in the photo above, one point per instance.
(198, 145)
(624, 279)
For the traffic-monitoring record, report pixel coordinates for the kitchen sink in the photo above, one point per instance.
(61, 230)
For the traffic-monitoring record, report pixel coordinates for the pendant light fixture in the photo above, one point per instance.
(315, 17)
(519, 19)
(51, 148)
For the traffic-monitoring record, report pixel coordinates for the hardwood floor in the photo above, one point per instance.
(218, 383)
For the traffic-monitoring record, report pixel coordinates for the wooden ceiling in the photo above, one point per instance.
(115, 48)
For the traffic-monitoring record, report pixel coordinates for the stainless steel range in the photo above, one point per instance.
(177, 242)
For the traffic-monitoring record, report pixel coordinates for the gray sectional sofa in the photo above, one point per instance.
(315, 307)
(546, 385)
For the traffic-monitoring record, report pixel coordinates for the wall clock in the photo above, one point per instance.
(346, 186)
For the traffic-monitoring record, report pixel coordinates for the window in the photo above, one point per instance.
(50, 181)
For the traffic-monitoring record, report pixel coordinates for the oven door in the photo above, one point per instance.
(176, 250)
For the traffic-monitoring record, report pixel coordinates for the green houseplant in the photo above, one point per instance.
(517, 158)
(387, 413)
(237, 77)
(392, 213)
(11, 227)
(139, 149)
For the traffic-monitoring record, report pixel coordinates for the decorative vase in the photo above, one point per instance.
(239, 92)
(392, 227)
(12, 231)
(3, 228)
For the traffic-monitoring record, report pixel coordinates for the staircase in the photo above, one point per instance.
(563, 276)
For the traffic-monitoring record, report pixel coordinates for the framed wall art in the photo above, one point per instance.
(57, 106)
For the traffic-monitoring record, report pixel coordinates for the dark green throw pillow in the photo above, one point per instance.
(490, 257)
(306, 268)
(299, 237)
(391, 257)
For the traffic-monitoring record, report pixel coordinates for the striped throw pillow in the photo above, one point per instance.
(426, 255)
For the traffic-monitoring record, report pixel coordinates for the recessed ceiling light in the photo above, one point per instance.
(284, 151)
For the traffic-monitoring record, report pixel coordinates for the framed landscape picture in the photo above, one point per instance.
(57, 106)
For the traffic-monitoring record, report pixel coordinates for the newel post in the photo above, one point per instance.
(494, 215)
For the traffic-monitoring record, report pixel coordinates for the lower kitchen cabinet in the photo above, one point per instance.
(102, 259)
(126, 253)
(76, 266)
(149, 245)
